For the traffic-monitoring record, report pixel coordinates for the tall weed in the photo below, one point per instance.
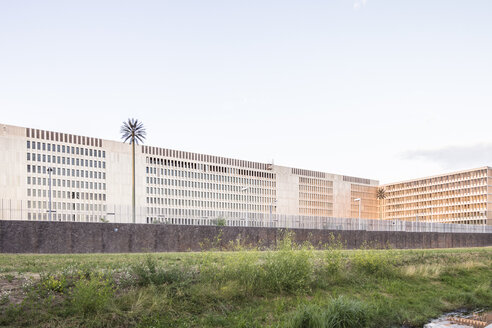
(307, 316)
(379, 263)
(333, 257)
(90, 295)
(345, 313)
(289, 268)
(339, 313)
(149, 272)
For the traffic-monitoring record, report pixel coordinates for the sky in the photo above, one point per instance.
(381, 89)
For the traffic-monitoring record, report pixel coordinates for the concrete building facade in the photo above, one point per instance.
(91, 180)
(459, 197)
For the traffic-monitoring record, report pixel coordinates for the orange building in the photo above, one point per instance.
(459, 197)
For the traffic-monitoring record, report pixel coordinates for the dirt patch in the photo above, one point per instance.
(13, 286)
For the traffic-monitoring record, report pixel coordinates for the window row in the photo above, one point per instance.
(65, 217)
(63, 206)
(66, 149)
(212, 196)
(402, 196)
(310, 203)
(203, 176)
(310, 196)
(315, 182)
(210, 186)
(66, 194)
(439, 180)
(65, 160)
(200, 158)
(319, 190)
(215, 205)
(66, 172)
(67, 183)
(315, 212)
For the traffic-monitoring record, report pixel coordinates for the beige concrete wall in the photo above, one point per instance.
(118, 178)
(287, 191)
(13, 180)
(341, 197)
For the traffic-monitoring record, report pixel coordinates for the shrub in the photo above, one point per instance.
(247, 271)
(307, 316)
(345, 313)
(90, 295)
(9, 277)
(333, 260)
(339, 313)
(50, 283)
(484, 291)
(290, 268)
(221, 222)
(149, 272)
(374, 262)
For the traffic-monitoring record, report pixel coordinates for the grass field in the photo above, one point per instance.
(291, 286)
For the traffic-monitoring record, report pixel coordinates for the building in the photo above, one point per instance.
(90, 180)
(458, 197)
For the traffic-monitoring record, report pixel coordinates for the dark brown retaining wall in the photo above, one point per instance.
(78, 237)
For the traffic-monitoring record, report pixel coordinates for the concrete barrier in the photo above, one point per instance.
(81, 237)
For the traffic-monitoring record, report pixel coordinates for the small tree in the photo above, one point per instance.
(134, 132)
(381, 195)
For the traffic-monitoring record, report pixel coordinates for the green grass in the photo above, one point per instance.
(291, 286)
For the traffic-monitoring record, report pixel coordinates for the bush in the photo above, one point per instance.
(290, 268)
(50, 283)
(90, 295)
(345, 313)
(333, 260)
(148, 272)
(340, 313)
(307, 316)
(221, 222)
(247, 271)
(374, 262)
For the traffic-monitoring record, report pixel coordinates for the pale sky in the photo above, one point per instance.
(382, 89)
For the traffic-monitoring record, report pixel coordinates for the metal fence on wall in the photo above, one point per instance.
(18, 210)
